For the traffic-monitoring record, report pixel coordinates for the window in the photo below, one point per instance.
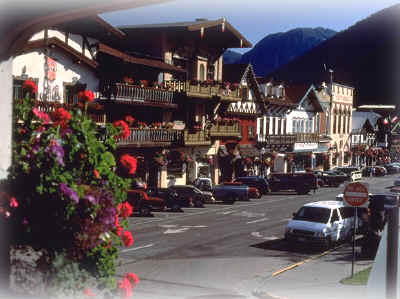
(273, 126)
(294, 126)
(17, 87)
(250, 132)
(302, 126)
(202, 73)
(317, 123)
(267, 120)
(261, 126)
(334, 123)
(284, 126)
(279, 126)
(335, 216)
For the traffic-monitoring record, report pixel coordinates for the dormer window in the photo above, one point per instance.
(281, 91)
(268, 89)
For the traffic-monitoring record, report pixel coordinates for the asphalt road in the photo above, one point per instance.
(220, 251)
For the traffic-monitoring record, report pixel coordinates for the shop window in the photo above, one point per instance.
(17, 86)
(250, 132)
(202, 74)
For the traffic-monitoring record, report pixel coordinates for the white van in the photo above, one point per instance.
(321, 223)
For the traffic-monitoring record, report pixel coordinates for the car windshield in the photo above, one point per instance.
(313, 214)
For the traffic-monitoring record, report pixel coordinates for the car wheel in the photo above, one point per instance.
(328, 243)
(145, 211)
(176, 208)
(198, 203)
(259, 195)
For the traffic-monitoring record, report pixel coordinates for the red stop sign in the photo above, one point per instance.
(355, 194)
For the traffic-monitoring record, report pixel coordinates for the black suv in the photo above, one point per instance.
(189, 196)
(255, 181)
(171, 197)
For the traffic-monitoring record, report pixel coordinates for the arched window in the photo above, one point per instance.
(202, 72)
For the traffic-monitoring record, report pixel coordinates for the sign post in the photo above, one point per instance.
(355, 195)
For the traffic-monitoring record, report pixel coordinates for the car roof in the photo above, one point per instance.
(328, 204)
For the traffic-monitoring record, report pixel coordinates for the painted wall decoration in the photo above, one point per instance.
(51, 69)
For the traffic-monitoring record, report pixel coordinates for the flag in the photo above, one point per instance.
(394, 119)
(385, 121)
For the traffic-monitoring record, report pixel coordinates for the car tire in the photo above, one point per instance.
(198, 203)
(328, 243)
(259, 194)
(145, 211)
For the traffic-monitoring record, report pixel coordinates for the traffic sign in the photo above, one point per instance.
(355, 195)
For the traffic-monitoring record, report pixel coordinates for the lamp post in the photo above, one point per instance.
(262, 151)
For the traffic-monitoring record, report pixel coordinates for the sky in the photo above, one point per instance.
(256, 18)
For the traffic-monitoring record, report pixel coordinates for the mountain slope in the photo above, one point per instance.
(364, 56)
(231, 57)
(278, 49)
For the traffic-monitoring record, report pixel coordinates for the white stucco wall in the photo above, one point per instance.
(66, 71)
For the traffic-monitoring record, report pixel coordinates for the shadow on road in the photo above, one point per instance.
(282, 245)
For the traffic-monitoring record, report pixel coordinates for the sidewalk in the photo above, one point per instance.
(315, 279)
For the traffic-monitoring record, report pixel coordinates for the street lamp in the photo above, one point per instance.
(262, 151)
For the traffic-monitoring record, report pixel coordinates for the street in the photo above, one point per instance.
(226, 251)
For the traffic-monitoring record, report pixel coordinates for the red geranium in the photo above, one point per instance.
(30, 86)
(129, 162)
(13, 202)
(133, 278)
(61, 117)
(125, 128)
(44, 117)
(129, 119)
(86, 95)
(126, 288)
(96, 173)
(127, 238)
(125, 209)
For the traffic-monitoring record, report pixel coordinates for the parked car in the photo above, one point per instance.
(144, 204)
(258, 182)
(392, 168)
(329, 178)
(170, 197)
(302, 183)
(376, 170)
(321, 223)
(353, 173)
(229, 192)
(190, 196)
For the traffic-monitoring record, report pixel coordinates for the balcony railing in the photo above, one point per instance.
(136, 94)
(201, 90)
(226, 130)
(197, 138)
(288, 139)
(151, 137)
(307, 137)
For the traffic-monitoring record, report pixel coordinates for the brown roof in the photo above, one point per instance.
(141, 61)
(92, 26)
(54, 41)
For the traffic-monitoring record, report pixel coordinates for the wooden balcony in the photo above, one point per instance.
(307, 137)
(148, 137)
(226, 130)
(204, 91)
(146, 96)
(201, 137)
(289, 139)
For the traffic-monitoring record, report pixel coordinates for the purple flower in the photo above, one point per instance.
(68, 192)
(65, 132)
(56, 149)
(91, 199)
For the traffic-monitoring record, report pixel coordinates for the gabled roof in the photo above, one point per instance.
(54, 41)
(297, 94)
(359, 117)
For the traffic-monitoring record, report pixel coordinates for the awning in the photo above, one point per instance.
(157, 64)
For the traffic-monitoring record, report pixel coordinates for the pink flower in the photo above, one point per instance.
(125, 287)
(44, 117)
(133, 278)
(127, 238)
(88, 292)
(13, 202)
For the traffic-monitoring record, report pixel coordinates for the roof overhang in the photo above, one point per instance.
(19, 20)
(140, 61)
(55, 42)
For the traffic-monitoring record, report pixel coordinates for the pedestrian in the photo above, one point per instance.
(372, 171)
